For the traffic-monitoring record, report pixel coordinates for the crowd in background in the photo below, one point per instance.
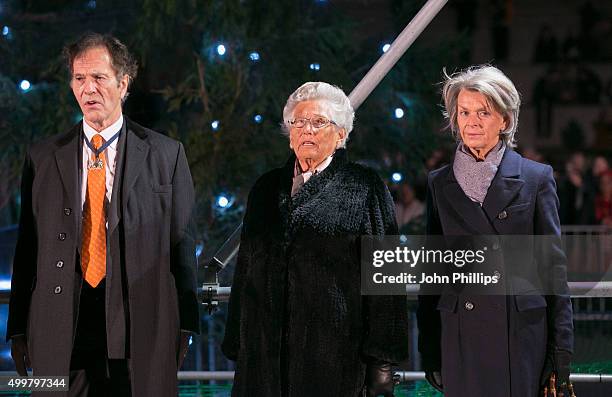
(585, 190)
(569, 78)
(591, 43)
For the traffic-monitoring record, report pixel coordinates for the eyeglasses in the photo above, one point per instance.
(316, 123)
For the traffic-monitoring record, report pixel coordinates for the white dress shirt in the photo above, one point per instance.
(110, 154)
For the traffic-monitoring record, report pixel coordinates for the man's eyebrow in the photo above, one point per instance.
(92, 74)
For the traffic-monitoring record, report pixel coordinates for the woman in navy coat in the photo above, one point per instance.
(495, 345)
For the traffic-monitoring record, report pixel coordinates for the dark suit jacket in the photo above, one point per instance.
(151, 279)
(496, 345)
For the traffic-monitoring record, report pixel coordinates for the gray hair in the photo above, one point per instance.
(334, 102)
(500, 92)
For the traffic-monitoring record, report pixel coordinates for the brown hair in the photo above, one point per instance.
(122, 62)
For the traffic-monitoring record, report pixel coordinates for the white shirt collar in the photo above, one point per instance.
(324, 164)
(106, 133)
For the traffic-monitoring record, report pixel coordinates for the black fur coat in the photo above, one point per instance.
(297, 323)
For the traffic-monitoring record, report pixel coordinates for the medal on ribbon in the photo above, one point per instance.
(95, 165)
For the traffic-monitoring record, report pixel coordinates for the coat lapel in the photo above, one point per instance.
(136, 151)
(67, 157)
(317, 182)
(505, 185)
(470, 211)
(292, 208)
(114, 213)
(284, 194)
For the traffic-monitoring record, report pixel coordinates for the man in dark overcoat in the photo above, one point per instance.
(504, 345)
(104, 284)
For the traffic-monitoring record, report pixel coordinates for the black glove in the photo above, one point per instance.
(557, 361)
(19, 352)
(379, 379)
(435, 379)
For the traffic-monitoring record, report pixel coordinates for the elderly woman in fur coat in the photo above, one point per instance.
(297, 322)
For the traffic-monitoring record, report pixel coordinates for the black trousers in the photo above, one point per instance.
(92, 373)
(100, 377)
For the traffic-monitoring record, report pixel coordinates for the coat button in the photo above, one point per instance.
(67, 211)
(59, 263)
(502, 215)
(58, 289)
(469, 306)
(61, 236)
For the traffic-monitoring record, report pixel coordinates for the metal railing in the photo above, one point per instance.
(405, 376)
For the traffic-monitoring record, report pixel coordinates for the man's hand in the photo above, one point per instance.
(435, 379)
(183, 347)
(19, 352)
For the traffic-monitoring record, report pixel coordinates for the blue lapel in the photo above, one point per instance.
(505, 185)
(469, 211)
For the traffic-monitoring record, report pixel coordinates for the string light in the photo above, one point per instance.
(315, 66)
(399, 113)
(258, 118)
(386, 47)
(215, 125)
(221, 49)
(199, 248)
(224, 201)
(254, 56)
(397, 177)
(25, 85)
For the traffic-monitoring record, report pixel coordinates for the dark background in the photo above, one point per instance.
(558, 53)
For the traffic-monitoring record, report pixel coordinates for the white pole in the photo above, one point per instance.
(405, 376)
(395, 52)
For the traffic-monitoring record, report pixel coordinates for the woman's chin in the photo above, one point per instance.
(307, 152)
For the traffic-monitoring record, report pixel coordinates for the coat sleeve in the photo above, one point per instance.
(24, 263)
(182, 251)
(385, 316)
(428, 316)
(553, 265)
(231, 340)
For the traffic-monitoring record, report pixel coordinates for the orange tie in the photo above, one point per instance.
(93, 250)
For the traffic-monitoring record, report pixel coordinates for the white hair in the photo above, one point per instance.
(334, 103)
(500, 92)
